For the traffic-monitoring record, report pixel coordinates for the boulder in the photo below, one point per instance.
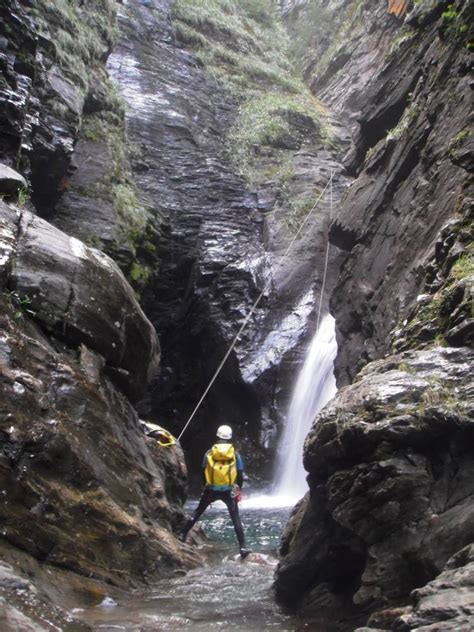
(391, 480)
(10, 180)
(99, 497)
(78, 294)
(446, 603)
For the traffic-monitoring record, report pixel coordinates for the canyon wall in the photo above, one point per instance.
(390, 472)
(84, 491)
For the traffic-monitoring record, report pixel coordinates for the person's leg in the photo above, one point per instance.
(206, 499)
(233, 509)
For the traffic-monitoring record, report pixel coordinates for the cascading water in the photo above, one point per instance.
(315, 386)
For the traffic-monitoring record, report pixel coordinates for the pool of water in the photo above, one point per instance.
(225, 594)
(262, 525)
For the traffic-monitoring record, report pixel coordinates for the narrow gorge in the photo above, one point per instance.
(171, 170)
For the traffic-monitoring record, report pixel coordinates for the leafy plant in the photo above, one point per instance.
(23, 197)
(456, 142)
(22, 303)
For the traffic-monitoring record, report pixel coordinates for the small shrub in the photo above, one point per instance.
(463, 267)
(23, 197)
(456, 142)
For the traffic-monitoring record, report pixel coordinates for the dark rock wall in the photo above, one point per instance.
(75, 464)
(391, 490)
(411, 186)
(82, 487)
(220, 241)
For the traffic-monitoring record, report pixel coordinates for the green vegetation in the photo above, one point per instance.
(405, 35)
(450, 13)
(80, 35)
(21, 303)
(117, 184)
(240, 42)
(138, 273)
(463, 267)
(266, 121)
(409, 115)
(299, 209)
(23, 197)
(456, 142)
(435, 314)
(243, 45)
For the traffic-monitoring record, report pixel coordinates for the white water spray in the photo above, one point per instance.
(315, 386)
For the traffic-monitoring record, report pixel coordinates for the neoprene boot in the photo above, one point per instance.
(183, 532)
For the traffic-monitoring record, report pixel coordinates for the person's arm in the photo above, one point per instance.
(240, 471)
(204, 462)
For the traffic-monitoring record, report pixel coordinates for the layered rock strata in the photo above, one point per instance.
(390, 475)
(99, 498)
(221, 239)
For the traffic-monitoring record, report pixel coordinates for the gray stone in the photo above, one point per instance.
(447, 602)
(80, 295)
(66, 91)
(10, 180)
(391, 479)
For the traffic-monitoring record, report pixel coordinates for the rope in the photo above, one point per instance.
(327, 257)
(259, 298)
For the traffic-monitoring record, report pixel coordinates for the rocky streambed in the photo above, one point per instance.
(166, 211)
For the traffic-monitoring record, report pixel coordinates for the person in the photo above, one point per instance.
(223, 478)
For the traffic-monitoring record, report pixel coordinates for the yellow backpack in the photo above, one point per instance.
(221, 465)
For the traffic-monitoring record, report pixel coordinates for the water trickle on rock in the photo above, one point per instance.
(315, 386)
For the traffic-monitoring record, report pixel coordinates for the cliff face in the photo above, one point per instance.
(376, 524)
(231, 152)
(76, 349)
(193, 204)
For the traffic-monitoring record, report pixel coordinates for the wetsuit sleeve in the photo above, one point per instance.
(204, 461)
(240, 470)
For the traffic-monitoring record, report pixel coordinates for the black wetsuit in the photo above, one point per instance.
(210, 495)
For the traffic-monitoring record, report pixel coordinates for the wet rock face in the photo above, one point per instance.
(217, 248)
(388, 459)
(339, 44)
(176, 116)
(75, 464)
(409, 190)
(79, 295)
(390, 475)
(403, 85)
(98, 497)
(44, 85)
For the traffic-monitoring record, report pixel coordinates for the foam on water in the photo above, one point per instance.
(314, 387)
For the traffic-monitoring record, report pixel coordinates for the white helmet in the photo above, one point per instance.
(224, 432)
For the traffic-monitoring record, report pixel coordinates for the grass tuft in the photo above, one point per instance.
(243, 44)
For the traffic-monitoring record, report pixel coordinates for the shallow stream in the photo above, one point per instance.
(223, 594)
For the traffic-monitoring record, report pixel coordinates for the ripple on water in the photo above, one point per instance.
(224, 594)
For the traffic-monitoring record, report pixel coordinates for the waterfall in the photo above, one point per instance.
(314, 387)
